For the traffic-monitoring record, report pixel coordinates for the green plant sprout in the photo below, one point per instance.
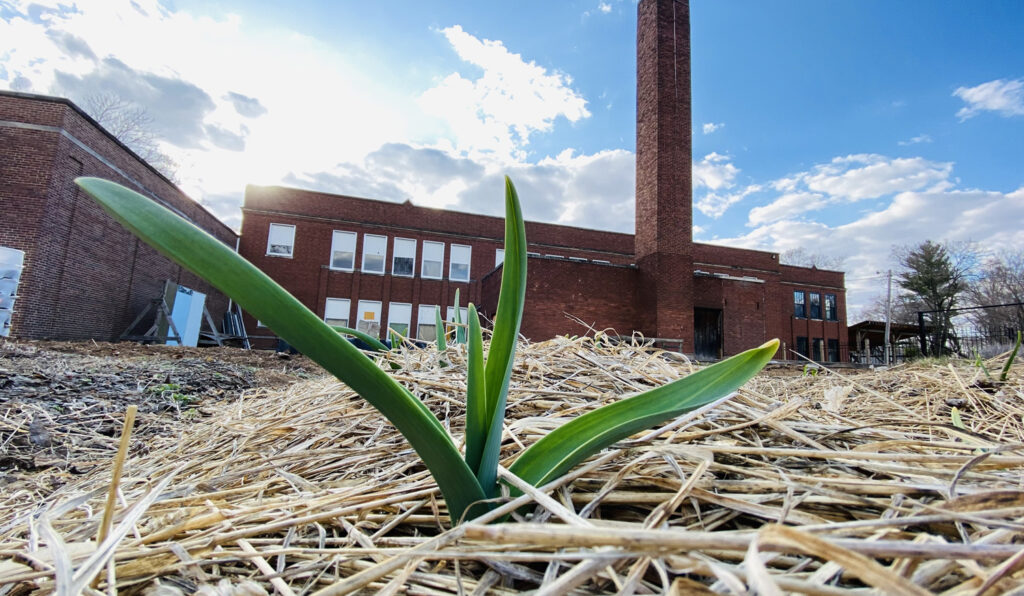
(1009, 361)
(954, 415)
(466, 483)
(440, 331)
(460, 329)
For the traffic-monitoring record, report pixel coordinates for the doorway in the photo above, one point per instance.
(707, 333)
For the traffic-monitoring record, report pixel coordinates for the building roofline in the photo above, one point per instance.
(92, 121)
(409, 202)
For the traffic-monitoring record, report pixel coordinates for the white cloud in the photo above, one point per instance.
(869, 176)
(604, 7)
(497, 112)
(786, 206)
(714, 172)
(921, 138)
(1003, 96)
(919, 202)
(715, 204)
(710, 127)
(591, 191)
(217, 85)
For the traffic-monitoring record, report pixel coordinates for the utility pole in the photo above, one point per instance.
(888, 317)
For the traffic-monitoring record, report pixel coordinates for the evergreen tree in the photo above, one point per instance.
(937, 277)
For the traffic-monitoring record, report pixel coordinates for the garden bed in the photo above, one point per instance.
(827, 483)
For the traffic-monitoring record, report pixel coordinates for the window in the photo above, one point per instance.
(405, 257)
(499, 256)
(343, 250)
(426, 325)
(833, 350)
(281, 240)
(399, 317)
(463, 314)
(831, 314)
(336, 312)
(819, 350)
(433, 259)
(375, 250)
(801, 346)
(458, 270)
(799, 308)
(815, 305)
(368, 317)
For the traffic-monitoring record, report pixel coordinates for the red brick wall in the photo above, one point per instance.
(602, 296)
(85, 276)
(317, 215)
(543, 238)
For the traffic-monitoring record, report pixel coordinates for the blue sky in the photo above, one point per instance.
(842, 128)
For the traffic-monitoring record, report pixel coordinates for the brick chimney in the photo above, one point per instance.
(664, 193)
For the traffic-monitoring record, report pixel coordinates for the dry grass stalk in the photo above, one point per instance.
(811, 484)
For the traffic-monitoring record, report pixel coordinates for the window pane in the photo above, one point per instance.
(799, 309)
(830, 307)
(499, 256)
(399, 315)
(405, 255)
(819, 349)
(375, 250)
(433, 259)
(281, 240)
(368, 317)
(425, 327)
(343, 250)
(336, 312)
(459, 269)
(815, 305)
(833, 350)
(801, 346)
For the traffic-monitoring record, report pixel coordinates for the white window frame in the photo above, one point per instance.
(374, 307)
(400, 313)
(425, 316)
(499, 256)
(431, 247)
(339, 241)
(339, 304)
(464, 314)
(381, 251)
(455, 249)
(402, 246)
(290, 244)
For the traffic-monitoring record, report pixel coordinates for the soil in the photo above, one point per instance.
(63, 403)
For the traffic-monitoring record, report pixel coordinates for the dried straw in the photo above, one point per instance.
(823, 484)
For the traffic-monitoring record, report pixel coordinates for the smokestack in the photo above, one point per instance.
(664, 194)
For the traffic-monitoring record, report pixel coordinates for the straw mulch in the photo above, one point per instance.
(833, 483)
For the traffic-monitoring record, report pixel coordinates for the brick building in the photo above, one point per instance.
(85, 277)
(374, 264)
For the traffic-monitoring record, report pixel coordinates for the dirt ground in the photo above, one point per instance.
(62, 403)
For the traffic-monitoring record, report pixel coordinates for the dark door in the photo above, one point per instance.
(707, 333)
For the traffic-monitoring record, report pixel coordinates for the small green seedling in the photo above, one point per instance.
(1009, 361)
(466, 483)
(954, 415)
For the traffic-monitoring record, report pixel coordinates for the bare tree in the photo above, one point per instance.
(903, 312)
(804, 258)
(133, 126)
(1001, 282)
